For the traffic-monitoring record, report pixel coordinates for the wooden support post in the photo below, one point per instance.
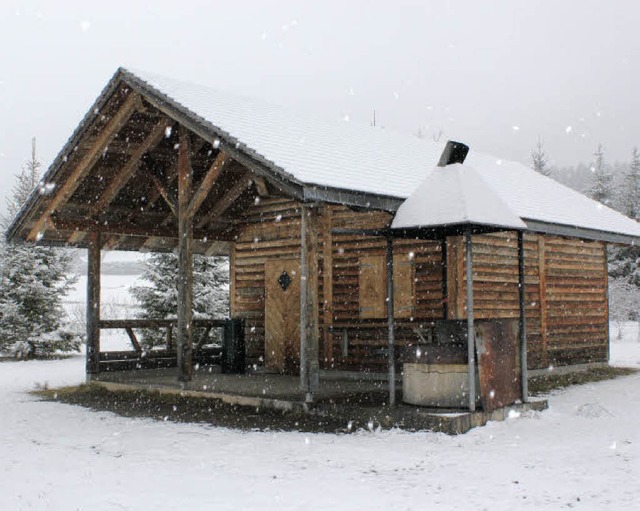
(309, 330)
(93, 305)
(391, 353)
(471, 340)
(445, 283)
(185, 261)
(523, 321)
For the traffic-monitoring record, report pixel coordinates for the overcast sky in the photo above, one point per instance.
(495, 75)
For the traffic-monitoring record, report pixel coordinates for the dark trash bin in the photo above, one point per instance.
(233, 347)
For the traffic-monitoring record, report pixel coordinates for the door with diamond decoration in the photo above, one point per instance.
(282, 315)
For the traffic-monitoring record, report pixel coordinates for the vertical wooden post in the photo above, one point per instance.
(327, 286)
(523, 321)
(185, 261)
(309, 328)
(93, 305)
(471, 341)
(391, 341)
(445, 283)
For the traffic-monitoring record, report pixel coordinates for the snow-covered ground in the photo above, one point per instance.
(583, 452)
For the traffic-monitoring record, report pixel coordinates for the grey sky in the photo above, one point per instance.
(492, 74)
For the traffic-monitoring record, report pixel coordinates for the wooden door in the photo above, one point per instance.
(282, 315)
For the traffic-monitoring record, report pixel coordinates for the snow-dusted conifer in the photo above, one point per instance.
(34, 281)
(539, 160)
(630, 192)
(158, 294)
(601, 186)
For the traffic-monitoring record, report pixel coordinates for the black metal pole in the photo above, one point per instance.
(390, 323)
(471, 349)
(445, 281)
(523, 320)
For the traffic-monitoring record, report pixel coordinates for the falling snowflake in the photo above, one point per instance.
(568, 129)
(167, 131)
(85, 25)
(216, 143)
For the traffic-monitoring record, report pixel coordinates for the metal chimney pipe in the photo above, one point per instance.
(454, 152)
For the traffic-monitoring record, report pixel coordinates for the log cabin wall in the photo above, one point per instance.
(566, 294)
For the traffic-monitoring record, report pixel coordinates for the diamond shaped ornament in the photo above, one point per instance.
(284, 280)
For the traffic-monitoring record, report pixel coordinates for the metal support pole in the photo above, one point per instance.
(390, 323)
(523, 320)
(471, 341)
(445, 282)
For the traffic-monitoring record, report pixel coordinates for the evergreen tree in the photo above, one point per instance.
(630, 192)
(34, 281)
(539, 160)
(601, 186)
(158, 296)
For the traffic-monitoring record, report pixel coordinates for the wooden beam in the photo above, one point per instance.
(226, 201)
(164, 193)
(185, 261)
(66, 189)
(127, 229)
(207, 183)
(93, 305)
(261, 186)
(309, 328)
(127, 171)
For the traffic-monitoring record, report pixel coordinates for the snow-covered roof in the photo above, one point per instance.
(455, 195)
(347, 156)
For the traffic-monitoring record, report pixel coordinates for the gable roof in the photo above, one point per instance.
(345, 162)
(344, 155)
(455, 195)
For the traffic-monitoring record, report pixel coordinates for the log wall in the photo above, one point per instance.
(566, 293)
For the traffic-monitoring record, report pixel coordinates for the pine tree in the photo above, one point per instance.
(539, 160)
(601, 186)
(34, 281)
(158, 296)
(630, 192)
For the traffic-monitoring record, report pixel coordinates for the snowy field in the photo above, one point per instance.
(584, 452)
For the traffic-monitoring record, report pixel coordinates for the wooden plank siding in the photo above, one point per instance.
(573, 287)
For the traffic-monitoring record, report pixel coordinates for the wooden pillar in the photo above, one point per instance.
(523, 321)
(471, 341)
(185, 261)
(391, 340)
(309, 328)
(93, 305)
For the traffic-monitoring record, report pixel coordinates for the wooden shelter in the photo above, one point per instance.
(162, 165)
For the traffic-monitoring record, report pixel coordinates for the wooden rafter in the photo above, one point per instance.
(123, 229)
(261, 186)
(166, 195)
(207, 183)
(127, 171)
(66, 190)
(226, 201)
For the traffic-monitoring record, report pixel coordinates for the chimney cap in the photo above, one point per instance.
(454, 152)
